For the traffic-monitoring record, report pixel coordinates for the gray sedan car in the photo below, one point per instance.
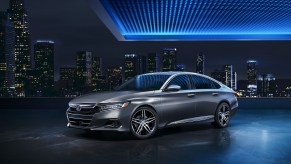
(152, 101)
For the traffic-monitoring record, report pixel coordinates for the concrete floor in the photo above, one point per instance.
(41, 136)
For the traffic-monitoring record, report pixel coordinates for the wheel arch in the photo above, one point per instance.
(222, 101)
(145, 105)
(149, 106)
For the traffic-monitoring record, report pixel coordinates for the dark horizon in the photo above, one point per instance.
(76, 27)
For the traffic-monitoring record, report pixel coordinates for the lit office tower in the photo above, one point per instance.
(22, 44)
(101, 83)
(7, 63)
(84, 71)
(251, 77)
(234, 81)
(218, 75)
(96, 71)
(153, 62)
(169, 59)
(96, 66)
(67, 73)
(228, 75)
(142, 64)
(114, 77)
(200, 63)
(130, 66)
(266, 85)
(44, 65)
(67, 84)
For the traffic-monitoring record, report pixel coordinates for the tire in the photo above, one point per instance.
(222, 116)
(143, 123)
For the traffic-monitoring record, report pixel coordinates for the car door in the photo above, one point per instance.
(178, 105)
(206, 95)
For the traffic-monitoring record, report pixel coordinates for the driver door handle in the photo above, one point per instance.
(191, 94)
(215, 94)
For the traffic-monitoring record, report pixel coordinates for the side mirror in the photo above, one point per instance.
(173, 88)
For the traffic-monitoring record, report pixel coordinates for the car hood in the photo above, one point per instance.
(109, 97)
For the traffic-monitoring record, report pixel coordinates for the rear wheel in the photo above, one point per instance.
(144, 122)
(222, 116)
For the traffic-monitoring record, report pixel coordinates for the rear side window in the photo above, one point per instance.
(182, 80)
(200, 82)
(216, 85)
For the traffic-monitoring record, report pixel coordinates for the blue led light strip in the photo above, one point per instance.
(201, 19)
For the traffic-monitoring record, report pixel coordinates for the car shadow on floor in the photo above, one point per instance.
(184, 132)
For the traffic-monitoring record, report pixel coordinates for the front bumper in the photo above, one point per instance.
(94, 119)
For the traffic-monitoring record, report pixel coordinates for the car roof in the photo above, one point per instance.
(187, 73)
(170, 73)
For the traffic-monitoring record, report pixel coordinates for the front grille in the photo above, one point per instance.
(81, 118)
(85, 111)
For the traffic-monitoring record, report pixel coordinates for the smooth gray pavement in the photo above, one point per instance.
(41, 136)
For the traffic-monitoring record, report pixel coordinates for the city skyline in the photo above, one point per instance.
(90, 34)
(30, 69)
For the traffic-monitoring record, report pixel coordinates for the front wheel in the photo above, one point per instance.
(222, 116)
(144, 122)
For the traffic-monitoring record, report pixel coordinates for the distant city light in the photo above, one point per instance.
(251, 61)
(45, 41)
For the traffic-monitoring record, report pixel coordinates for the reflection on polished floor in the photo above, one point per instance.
(41, 136)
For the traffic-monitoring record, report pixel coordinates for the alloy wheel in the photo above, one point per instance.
(143, 123)
(223, 114)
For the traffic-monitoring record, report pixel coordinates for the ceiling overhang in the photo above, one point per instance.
(182, 20)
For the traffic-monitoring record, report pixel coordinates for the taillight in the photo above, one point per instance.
(236, 94)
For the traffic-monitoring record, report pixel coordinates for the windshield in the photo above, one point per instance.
(144, 83)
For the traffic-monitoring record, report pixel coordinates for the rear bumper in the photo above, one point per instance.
(233, 111)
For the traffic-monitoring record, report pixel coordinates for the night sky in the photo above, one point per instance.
(74, 26)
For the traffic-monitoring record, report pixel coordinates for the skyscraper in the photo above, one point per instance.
(266, 85)
(65, 85)
(228, 75)
(22, 44)
(219, 75)
(96, 71)
(34, 87)
(114, 77)
(200, 63)
(252, 72)
(169, 59)
(251, 77)
(142, 64)
(44, 65)
(234, 81)
(97, 66)
(67, 73)
(153, 62)
(7, 62)
(130, 66)
(101, 83)
(84, 71)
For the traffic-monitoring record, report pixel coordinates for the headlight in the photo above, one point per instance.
(114, 106)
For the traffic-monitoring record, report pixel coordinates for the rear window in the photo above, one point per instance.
(199, 82)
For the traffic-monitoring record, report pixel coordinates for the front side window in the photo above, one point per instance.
(200, 82)
(182, 80)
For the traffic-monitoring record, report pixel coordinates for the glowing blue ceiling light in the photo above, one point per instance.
(196, 19)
